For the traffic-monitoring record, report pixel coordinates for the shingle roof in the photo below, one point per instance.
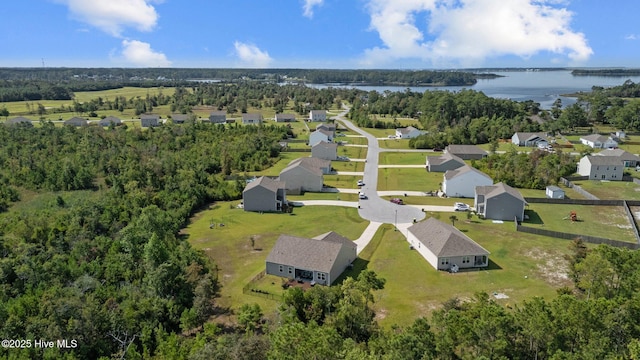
(326, 145)
(441, 159)
(319, 253)
(266, 183)
(496, 189)
(329, 134)
(444, 240)
(251, 116)
(218, 113)
(311, 164)
(528, 136)
(150, 116)
(595, 137)
(623, 155)
(554, 188)
(604, 160)
(285, 116)
(328, 127)
(465, 149)
(406, 130)
(450, 174)
(180, 117)
(18, 120)
(313, 112)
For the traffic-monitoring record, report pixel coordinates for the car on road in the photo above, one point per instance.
(360, 182)
(397, 201)
(461, 207)
(362, 196)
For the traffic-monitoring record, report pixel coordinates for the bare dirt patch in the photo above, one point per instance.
(553, 268)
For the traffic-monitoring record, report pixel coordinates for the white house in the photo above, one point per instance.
(601, 167)
(529, 139)
(445, 247)
(325, 150)
(462, 182)
(597, 141)
(408, 132)
(320, 135)
(318, 115)
(554, 192)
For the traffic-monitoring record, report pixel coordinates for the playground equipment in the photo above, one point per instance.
(573, 216)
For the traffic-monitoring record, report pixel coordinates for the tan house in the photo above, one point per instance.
(305, 174)
(325, 150)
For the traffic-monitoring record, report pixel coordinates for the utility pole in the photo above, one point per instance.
(396, 220)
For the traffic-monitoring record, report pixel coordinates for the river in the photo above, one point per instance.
(543, 87)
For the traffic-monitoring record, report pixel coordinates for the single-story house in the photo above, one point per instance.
(218, 117)
(109, 120)
(318, 115)
(325, 150)
(320, 135)
(444, 246)
(628, 159)
(530, 139)
(179, 118)
(149, 120)
(601, 167)
(466, 152)
(499, 202)
(19, 120)
(597, 141)
(252, 118)
(285, 118)
(462, 181)
(320, 260)
(408, 133)
(444, 162)
(554, 192)
(76, 121)
(305, 174)
(264, 194)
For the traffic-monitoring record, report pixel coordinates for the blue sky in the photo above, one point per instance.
(395, 34)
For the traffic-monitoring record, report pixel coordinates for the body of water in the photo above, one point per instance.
(543, 87)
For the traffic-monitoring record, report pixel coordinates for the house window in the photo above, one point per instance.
(444, 261)
(322, 276)
(281, 268)
(290, 270)
(465, 260)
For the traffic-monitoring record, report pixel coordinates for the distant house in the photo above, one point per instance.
(149, 120)
(110, 120)
(331, 128)
(466, 152)
(530, 139)
(252, 119)
(597, 141)
(218, 117)
(19, 121)
(318, 115)
(462, 181)
(445, 247)
(320, 260)
(179, 118)
(601, 167)
(76, 121)
(320, 135)
(305, 174)
(285, 118)
(264, 194)
(499, 202)
(408, 132)
(628, 159)
(443, 162)
(620, 134)
(554, 192)
(325, 150)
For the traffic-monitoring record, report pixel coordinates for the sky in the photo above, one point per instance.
(342, 34)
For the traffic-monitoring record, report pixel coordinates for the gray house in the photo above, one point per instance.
(627, 158)
(462, 182)
(252, 119)
(305, 174)
(264, 194)
(325, 150)
(218, 117)
(318, 115)
(19, 121)
(149, 120)
(110, 120)
(601, 167)
(466, 152)
(179, 118)
(320, 135)
(529, 139)
(445, 247)
(444, 162)
(285, 118)
(499, 202)
(76, 121)
(320, 260)
(327, 127)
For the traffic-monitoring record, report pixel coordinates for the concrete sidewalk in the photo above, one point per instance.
(402, 166)
(367, 235)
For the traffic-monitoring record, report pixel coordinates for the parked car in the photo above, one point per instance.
(362, 196)
(461, 207)
(360, 183)
(391, 136)
(397, 201)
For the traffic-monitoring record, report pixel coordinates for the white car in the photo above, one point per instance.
(360, 183)
(461, 207)
(362, 196)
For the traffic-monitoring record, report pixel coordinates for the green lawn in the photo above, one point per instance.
(348, 165)
(394, 144)
(230, 246)
(323, 196)
(405, 158)
(521, 266)
(342, 181)
(569, 193)
(352, 140)
(284, 159)
(410, 179)
(352, 152)
(609, 222)
(429, 200)
(380, 133)
(506, 146)
(631, 144)
(611, 189)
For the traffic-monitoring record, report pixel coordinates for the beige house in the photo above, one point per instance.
(601, 167)
(325, 150)
(305, 174)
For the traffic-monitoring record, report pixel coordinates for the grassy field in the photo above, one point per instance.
(409, 179)
(352, 140)
(285, 159)
(506, 146)
(631, 144)
(404, 158)
(342, 181)
(569, 193)
(429, 200)
(323, 196)
(609, 222)
(347, 165)
(380, 133)
(394, 144)
(611, 189)
(352, 152)
(230, 246)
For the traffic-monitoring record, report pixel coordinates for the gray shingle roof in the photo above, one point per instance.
(444, 240)
(528, 136)
(150, 117)
(450, 174)
(595, 137)
(604, 160)
(266, 183)
(406, 130)
(285, 116)
(18, 120)
(317, 254)
(327, 145)
(623, 155)
(313, 165)
(496, 189)
(439, 160)
(465, 149)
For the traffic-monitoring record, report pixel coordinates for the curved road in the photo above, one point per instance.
(374, 208)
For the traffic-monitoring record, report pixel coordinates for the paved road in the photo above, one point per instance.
(327, 203)
(375, 208)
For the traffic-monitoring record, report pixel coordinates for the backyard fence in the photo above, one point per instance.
(568, 182)
(585, 238)
(251, 289)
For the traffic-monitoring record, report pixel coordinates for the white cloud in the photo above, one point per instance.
(251, 56)
(112, 16)
(631, 37)
(308, 7)
(470, 31)
(138, 53)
